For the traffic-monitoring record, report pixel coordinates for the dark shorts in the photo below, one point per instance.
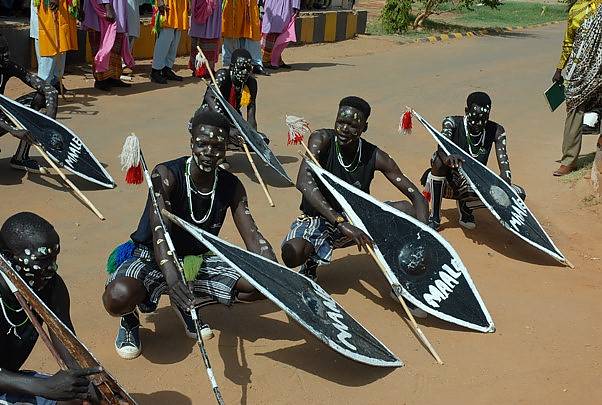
(216, 279)
(322, 235)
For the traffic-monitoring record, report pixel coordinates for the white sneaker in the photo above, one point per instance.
(127, 342)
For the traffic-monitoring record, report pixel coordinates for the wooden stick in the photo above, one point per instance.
(244, 144)
(396, 287)
(38, 326)
(60, 173)
(265, 189)
(70, 183)
(568, 263)
(34, 320)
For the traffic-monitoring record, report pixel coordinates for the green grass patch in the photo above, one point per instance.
(376, 28)
(510, 14)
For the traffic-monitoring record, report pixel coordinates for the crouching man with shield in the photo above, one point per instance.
(475, 134)
(239, 88)
(197, 190)
(322, 226)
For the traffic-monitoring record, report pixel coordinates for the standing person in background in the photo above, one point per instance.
(582, 60)
(106, 23)
(175, 13)
(205, 31)
(278, 29)
(52, 25)
(241, 28)
(133, 18)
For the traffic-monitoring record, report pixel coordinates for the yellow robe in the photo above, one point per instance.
(177, 15)
(579, 12)
(240, 19)
(49, 23)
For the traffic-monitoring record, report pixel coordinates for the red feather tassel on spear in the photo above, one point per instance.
(297, 128)
(405, 123)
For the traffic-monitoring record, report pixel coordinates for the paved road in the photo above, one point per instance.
(547, 347)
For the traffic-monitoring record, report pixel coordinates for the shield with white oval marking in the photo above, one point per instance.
(302, 299)
(500, 198)
(415, 257)
(59, 142)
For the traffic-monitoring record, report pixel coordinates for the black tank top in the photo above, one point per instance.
(16, 350)
(361, 177)
(459, 138)
(185, 243)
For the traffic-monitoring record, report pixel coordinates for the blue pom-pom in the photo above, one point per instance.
(119, 255)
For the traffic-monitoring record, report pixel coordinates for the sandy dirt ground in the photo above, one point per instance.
(547, 345)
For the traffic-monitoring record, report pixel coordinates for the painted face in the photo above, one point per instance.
(208, 144)
(477, 117)
(350, 124)
(240, 70)
(37, 263)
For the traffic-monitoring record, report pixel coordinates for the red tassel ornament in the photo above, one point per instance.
(297, 128)
(201, 71)
(405, 123)
(134, 175)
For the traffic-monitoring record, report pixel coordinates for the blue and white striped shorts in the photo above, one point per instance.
(322, 235)
(216, 279)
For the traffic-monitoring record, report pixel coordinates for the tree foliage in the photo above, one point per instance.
(397, 15)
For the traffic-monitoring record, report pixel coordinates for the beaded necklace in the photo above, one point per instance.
(13, 326)
(480, 143)
(356, 159)
(189, 194)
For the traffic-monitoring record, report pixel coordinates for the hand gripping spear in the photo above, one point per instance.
(133, 161)
(109, 389)
(297, 129)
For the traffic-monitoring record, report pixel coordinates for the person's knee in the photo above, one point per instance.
(120, 297)
(438, 168)
(294, 252)
(243, 286)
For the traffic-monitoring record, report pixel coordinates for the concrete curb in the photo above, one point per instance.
(479, 33)
(330, 26)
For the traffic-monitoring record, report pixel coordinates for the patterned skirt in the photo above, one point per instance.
(115, 67)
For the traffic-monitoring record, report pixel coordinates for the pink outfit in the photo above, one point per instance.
(108, 34)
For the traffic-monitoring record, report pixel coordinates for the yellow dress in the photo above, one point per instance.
(578, 13)
(49, 23)
(240, 19)
(177, 15)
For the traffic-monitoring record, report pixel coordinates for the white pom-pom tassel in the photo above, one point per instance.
(130, 154)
